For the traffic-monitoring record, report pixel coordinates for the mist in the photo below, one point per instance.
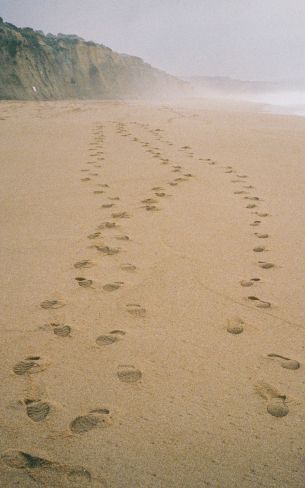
(202, 41)
(243, 39)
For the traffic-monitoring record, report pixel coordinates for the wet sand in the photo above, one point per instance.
(152, 296)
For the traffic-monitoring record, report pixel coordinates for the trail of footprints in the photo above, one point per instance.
(275, 400)
(37, 408)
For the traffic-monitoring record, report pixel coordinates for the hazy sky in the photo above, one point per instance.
(246, 39)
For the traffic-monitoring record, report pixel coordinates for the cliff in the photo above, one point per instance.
(38, 67)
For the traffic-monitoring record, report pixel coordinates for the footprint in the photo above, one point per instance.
(160, 194)
(98, 192)
(85, 263)
(129, 374)
(94, 235)
(128, 267)
(37, 410)
(107, 205)
(120, 215)
(95, 418)
(108, 225)
(265, 265)
(285, 362)
(45, 472)
(151, 208)
(29, 365)
(106, 340)
(85, 179)
(84, 282)
(149, 200)
(259, 249)
(62, 330)
(262, 214)
(246, 283)
(255, 223)
(261, 236)
(23, 460)
(109, 251)
(276, 405)
(136, 310)
(113, 286)
(235, 325)
(259, 303)
(122, 238)
(52, 304)
(251, 205)
(118, 331)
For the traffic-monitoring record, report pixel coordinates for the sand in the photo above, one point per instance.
(152, 296)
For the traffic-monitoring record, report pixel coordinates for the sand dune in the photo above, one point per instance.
(152, 296)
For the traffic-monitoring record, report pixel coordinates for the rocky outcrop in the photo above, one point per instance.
(38, 67)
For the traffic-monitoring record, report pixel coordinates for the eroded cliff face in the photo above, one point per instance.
(38, 67)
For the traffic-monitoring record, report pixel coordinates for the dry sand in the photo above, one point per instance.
(162, 367)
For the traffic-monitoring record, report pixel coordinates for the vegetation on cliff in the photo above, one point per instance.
(34, 66)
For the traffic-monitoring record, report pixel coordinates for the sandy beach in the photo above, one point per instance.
(152, 296)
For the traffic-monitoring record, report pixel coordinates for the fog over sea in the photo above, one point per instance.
(284, 102)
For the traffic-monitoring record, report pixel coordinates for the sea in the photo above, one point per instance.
(285, 102)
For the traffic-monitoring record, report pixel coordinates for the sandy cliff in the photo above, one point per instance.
(39, 67)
